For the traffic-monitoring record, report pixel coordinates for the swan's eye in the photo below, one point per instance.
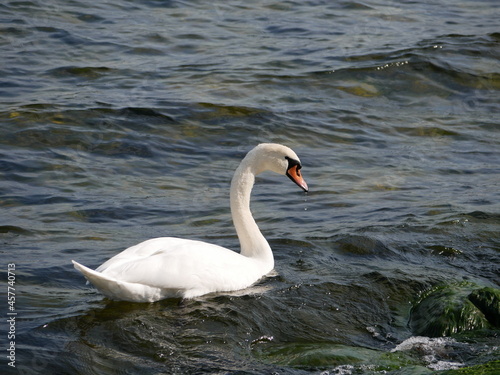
(293, 163)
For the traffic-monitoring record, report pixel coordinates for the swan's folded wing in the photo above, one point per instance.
(210, 267)
(147, 248)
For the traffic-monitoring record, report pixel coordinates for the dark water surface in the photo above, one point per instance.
(124, 120)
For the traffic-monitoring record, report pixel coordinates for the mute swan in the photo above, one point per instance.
(172, 267)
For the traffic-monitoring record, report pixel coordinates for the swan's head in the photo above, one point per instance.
(279, 159)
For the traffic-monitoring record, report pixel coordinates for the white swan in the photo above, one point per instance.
(173, 267)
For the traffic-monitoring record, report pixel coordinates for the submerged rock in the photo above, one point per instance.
(453, 308)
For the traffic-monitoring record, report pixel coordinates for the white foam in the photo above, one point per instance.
(421, 341)
(433, 351)
(340, 370)
(444, 365)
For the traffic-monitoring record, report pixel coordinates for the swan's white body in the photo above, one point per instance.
(173, 267)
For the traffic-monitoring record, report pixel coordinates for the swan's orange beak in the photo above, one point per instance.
(294, 173)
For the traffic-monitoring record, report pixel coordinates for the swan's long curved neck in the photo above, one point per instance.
(252, 242)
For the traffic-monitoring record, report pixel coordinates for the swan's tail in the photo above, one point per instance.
(116, 289)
